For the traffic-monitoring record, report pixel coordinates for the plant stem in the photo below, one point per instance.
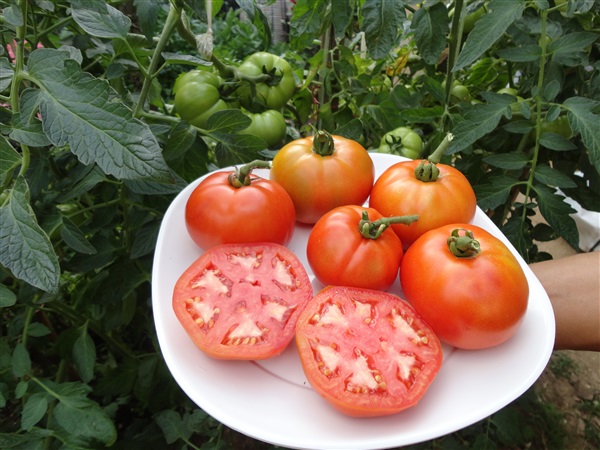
(455, 41)
(373, 229)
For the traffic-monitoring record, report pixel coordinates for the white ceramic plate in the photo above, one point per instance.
(272, 401)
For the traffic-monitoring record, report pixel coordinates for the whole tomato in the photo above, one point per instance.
(402, 141)
(438, 193)
(352, 246)
(197, 97)
(366, 352)
(269, 125)
(273, 93)
(323, 172)
(237, 207)
(242, 301)
(466, 284)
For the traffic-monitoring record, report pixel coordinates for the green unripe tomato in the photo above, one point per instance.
(458, 91)
(512, 91)
(559, 126)
(273, 94)
(472, 18)
(401, 141)
(270, 126)
(197, 97)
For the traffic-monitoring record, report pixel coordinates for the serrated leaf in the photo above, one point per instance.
(7, 297)
(583, 120)
(571, 43)
(518, 126)
(344, 13)
(554, 141)
(551, 90)
(552, 177)
(147, 15)
(34, 409)
(155, 187)
(20, 361)
(84, 356)
(9, 157)
(430, 26)
(99, 19)
(31, 134)
(479, 121)
(488, 29)
(496, 193)
(307, 21)
(176, 58)
(74, 238)
(483, 72)
(145, 240)
(525, 53)
(508, 161)
(516, 232)
(557, 213)
(233, 149)
(26, 249)
(77, 110)
(171, 425)
(86, 421)
(422, 115)
(381, 21)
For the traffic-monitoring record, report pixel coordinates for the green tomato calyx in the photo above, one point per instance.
(242, 175)
(373, 229)
(465, 245)
(323, 143)
(427, 170)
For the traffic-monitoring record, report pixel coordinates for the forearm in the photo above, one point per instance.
(573, 285)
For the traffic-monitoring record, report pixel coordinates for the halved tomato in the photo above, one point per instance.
(242, 301)
(367, 352)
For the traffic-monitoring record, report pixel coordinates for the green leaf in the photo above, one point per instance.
(34, 409)
(483, 72)
(13, 15)
(307, 21)
(479, 121)
(422, 115)
(488, 29)
(517, 233)
(518, 126)
(77, 110)
(430, 26)
(235, 149)
(381, 21)
(74, 238)
(551, 90)
(27, 250)
(557, 213)
(9, 157)
(21, 361)
(145, 240)
(84, 356)
(6, 74)
(7, 297)
(171, 425)
(344, 14)
(552, 177)
(494, 193)
(228, 121)
(147, 14)
(508, 161)
(99, 19)
(28, 133)
(583, 120)
(82, 417)
(256, 16)
(525, 53)
(555, 141)
(571, 43)
(176, 58)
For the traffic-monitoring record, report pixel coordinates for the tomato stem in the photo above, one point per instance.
(427, 169)
(323, 143)
(241, 176)
(373, 229)
(463, 246)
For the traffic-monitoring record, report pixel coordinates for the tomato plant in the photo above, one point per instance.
(242, 301)
(402, 141)
(466, 284)
(437, 193)
(273, 93)
(352, 246)
(268, 125)
(321, 172)
(197, 96)
(366, 352)
(238, 207)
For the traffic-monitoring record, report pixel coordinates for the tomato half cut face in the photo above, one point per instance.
(366, 352)
(242, 301)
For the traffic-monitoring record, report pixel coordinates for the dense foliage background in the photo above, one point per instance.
(92, 153)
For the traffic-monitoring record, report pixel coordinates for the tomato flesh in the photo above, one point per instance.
(366, 352)
(242, 301)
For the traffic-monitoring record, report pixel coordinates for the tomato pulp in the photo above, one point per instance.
(366, 352)
(242, 301)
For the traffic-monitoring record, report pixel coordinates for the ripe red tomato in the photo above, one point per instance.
(242, 301)
(348, 247)
(323, 172)
(366, 352)
(399, 192)
(222, 210)
(476, 300)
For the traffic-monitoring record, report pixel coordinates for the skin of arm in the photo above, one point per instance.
(573, 286)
